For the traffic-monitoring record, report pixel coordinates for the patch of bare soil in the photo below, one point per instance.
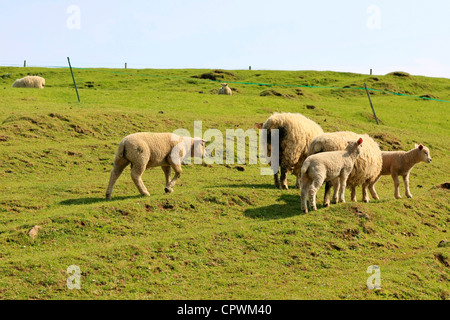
(387, 141)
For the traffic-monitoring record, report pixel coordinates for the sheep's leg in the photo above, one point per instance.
(283, 178)
(304, 195)
(297, 182)
(343, 185)
(136, 176)
(312, 198)
(396, 186)
(406, 182)
(335, 190)
(372, 190)
(353, 194)
(306, 182)
(167, 170)
(119, 165)
(277, 181)
(178, 170)
(365, 193)
(313, 188)
(326, 197)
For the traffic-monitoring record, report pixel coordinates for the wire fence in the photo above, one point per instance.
(124, 66)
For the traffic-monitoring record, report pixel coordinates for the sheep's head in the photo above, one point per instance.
(424, 153)
(198, 149)
(355, 147)
(224, 85)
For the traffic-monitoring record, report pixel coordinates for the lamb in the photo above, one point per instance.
(146, 150)
(400, 163)
(333, 166)
(295, 134)
(367, 166)
(30, 82)
(225, 89)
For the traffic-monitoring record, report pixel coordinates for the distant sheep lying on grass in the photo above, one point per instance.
(400, 163)
(333, 166)
(295, 134)
(147, 150)
(367, 166)
(225, 89)
(30, 82)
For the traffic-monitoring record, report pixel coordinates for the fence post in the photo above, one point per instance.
(370, 71)
(76, 89)
(370, 100)
(24, 63)
(126, 64)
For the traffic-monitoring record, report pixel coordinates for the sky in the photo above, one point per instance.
(351, 36)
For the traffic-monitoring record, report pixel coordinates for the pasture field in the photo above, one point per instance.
(225, 232)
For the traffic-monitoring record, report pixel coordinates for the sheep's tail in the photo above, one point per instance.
(121, 152)
(305, 168)
(315, 148)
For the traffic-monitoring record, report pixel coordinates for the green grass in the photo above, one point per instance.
(223, 233)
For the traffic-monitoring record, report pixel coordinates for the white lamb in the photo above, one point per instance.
(367, 167)
(400, 163)
(333, 166)
(225, 89)
(30, 82)
(146, 150)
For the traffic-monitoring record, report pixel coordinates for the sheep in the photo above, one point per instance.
(295, 134)
(333, 166)
(367, 166)
(147, 150)
(30, 82)
(400, 163)
(225, 89)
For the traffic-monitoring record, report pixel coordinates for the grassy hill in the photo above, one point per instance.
(225, 232)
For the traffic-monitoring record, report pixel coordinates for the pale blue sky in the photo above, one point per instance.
(353, 35)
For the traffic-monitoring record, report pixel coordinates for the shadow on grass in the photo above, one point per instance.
(79, 201)
(290, 206)
(246, 185)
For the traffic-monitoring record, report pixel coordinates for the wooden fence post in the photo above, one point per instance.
(76, 89)
(370, 100)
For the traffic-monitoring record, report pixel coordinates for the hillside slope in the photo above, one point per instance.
(225, 232)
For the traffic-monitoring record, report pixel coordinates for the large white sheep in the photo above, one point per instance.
(367, 166)
(295, 133)
(332, 166)
(225, 89)
(30, 82)
(147, 150)
(400, 163)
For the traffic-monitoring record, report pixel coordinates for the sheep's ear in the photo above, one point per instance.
(203, 142)
(360, 140)
(420, 147)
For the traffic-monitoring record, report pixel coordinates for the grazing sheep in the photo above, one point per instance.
(400, 163)
(225, 89)
(295, 133)
(333, 166)
(146, 150)
(367, 166)
(30, 82)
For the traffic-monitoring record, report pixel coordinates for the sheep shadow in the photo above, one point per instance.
(246, 185)
(91, 200)
(288, 205)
